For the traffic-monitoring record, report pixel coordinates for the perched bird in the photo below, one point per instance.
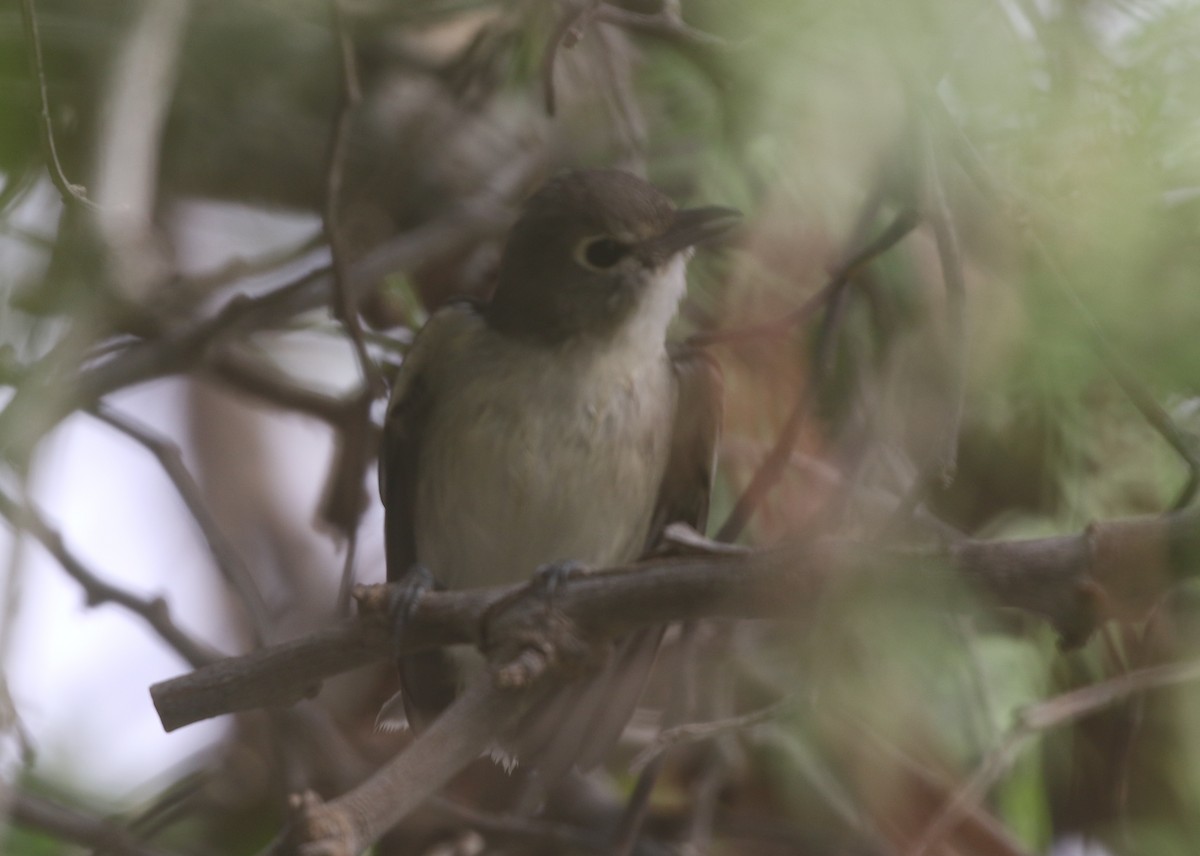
(553, 424)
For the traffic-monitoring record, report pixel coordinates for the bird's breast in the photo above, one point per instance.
(539, 457)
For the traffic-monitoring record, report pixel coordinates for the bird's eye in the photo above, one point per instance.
(600, 253)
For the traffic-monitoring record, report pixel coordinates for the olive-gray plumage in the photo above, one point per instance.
(553, 424)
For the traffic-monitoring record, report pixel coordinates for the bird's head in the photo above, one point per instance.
(591, 250)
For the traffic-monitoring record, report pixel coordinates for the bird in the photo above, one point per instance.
(554, 425)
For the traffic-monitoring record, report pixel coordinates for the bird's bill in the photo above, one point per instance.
(694, 226)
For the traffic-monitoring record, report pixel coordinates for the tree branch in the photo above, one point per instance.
(352, 822)
(833, 298)
(229, 562)
(1117, 569)
(566, 33)
(68, 824)
(153, 611)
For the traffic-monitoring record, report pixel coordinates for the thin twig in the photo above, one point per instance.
(68, 824)
(1085, 701)
(899, 228)
(22, 234)
(153, 611)
(522, 829)
(272, 385)
(695, 732)
(71, 193)
(28, 415)
(771, 469)
(18, 180)
(679, 708)
(966, 798)
(228, 561)
(950, 258)
(982, 712)
(566, 33)
(795, 752)
(346, 586)
(170, 806)
(664, 24)
(1039, 718)
(345, 307)
(703, 797)
(718, 757)
(637, 807)
(628, 122)
(349, 466)
(240, 268)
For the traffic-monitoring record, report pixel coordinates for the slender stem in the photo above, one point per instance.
(71, 193)
(153, 611)
(226, 556)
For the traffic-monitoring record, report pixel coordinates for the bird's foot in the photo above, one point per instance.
(528, 635)
(551, 578)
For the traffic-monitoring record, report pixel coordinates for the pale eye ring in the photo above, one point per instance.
(600, 253)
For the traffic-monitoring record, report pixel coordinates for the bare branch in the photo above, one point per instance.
(680, 706)
(1076, 704)
(228, 561)
(627, 120)
(29, 415)
(1040, 717)
(1116, 569)
(695, 732)
(154, 612)
(68, 824)
(263, 381)
(566, 33)
(772, 467)
(527, 830)
(950, 258)
(899, 228)
(345, 306)
(979, 829)
(347, 825)
(194, 288)
(344, 501)
(664, 25)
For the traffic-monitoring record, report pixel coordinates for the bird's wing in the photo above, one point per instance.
(687, 483)
(426, 679)
(403, 428)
